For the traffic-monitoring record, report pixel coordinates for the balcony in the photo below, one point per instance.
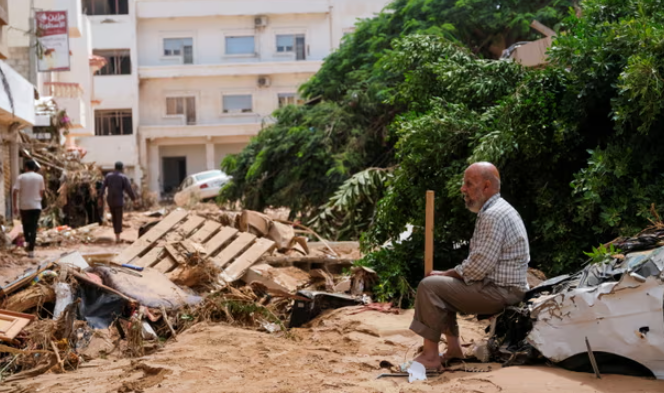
(106, 150)
(230, 69)
(68, 97)
(21, 106)
(199, 131)
(204, 8)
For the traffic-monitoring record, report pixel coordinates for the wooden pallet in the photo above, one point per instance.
(164, 246)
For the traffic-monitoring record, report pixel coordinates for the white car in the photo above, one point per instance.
(201, 186)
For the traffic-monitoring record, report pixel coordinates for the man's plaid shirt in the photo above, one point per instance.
(499, 251)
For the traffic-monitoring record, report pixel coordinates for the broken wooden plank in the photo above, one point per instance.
(13, 323)
(285, 260)
(237, 269)
(193, 248)
(186, 228)
(284, 279)
(206, 232)
(234, 249)
(218, 240)
(175, 254)
(154, 234)
(166, 265)
(151, 258)
(23, 280)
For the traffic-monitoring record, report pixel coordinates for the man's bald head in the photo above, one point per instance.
(481, 181)
(488, 172)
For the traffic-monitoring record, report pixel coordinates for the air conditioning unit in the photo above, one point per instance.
(264, 81)
(260, 21)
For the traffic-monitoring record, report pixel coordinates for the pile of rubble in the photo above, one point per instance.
(182, 270)
(71, 185)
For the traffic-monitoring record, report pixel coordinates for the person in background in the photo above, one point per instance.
(117, 184)
(27, 198)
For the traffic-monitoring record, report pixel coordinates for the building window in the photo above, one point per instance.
(106, 7)
(240, 45)
(289, 99)
(292, 43)
(118, 62)
(42, 133)
(113, 122)
(182, 106)
(180, 47)
(240, 103)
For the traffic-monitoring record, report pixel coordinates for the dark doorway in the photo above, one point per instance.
(174, 171)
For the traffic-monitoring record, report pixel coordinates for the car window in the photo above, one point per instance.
(208, 175)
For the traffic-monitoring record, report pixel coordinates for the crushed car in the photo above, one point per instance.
(607, 318)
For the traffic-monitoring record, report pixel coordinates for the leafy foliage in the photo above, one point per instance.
(577, 142)
(602, 254)
(350, 210)
(484, 26)
(300, 161)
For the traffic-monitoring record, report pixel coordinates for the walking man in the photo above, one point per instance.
(117, 184)
(27, 196)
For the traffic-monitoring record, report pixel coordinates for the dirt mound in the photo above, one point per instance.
(338, 352)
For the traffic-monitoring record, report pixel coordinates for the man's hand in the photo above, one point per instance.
(16, 212)
(446, 273)
(439, 273)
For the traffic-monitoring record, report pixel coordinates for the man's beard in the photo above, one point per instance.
(476, 205)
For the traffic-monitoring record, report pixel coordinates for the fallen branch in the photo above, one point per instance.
(285, 260)
(168, 323)
(31, 373)
(57, 356)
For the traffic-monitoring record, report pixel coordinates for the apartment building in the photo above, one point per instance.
(187, 82)
(17, 111)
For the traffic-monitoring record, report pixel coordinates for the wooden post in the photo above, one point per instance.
(428, 234)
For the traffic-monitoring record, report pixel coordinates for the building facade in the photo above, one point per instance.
(188, 82)
(170, 87)
(17, 110)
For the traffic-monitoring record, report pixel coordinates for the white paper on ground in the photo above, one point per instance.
(148, 332)
(63, 298)
(417, 372)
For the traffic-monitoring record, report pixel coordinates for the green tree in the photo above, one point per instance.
(302, 160)
(577, 145)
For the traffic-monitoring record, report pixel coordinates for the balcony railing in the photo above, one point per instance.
(62, 90)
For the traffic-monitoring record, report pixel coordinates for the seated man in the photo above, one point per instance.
(491, 278)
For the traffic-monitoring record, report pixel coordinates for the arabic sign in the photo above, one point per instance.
(53, 38)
